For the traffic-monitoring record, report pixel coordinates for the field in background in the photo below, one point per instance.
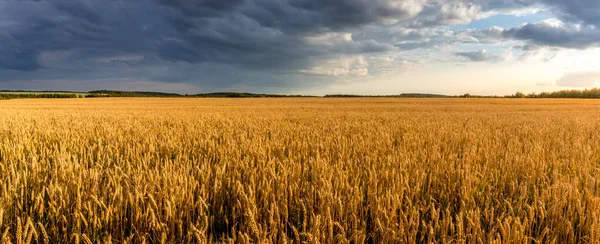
(278, 170)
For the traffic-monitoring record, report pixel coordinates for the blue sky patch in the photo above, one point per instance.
(505, 21)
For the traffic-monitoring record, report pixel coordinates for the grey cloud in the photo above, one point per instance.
(301, 16)
(415, 45)
(585, 11)
(580, 11)
(210, 8)
(452, 12)
(527, 47)
(248, 38)
(61, 25)
(580, 27)
(444, 13)
(440, 38)
(78, 9)
(342, 13)
(554, 35)
(548, 33)
(478, 56)
(17, 59)
(490, 35)
(507, 4)
(236, 43)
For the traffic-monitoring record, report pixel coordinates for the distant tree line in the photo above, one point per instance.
(405, 95)
(237, 94)
(112, 93)
(4, 96)
(415, 95)
(467, 95)
(587, 93)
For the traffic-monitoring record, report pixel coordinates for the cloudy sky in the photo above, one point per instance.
(301, 46)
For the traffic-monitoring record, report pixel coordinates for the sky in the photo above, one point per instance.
(316, 47)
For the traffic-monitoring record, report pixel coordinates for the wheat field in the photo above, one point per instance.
(299, 170)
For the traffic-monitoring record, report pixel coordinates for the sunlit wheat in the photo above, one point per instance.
(289, 170)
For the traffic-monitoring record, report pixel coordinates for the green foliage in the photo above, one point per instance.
(519, 95)
(586, 93)
(405, 95)
(240, 95)
(111, 93)
(4, 96)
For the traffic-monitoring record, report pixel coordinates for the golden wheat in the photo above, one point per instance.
(299, 170)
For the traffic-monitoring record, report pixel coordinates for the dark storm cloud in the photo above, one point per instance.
(39, 27)
(210, 8)
(79, 10)
(235, 32)
(18, 58)
(216, 43)
(269, 34)
(350, 13)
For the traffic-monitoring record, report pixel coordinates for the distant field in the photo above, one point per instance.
(315, 170)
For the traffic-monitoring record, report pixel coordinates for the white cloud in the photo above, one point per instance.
(580, 79)
(449, 13)
(329, 38)
(343, 66)
(389, 65)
